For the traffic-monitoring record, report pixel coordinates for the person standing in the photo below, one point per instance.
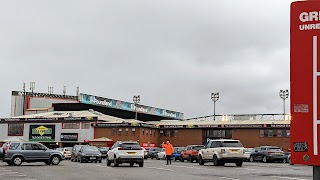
(169, 151)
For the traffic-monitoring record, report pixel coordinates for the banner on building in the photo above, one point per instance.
(42, 133)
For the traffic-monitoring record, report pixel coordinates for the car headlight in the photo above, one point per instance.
(99, 154)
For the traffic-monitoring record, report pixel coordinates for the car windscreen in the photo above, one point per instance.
(198, 147)
(274, 149)
(231, 144)
(78, 148)
(89, 148)
(179, 149)
(130, 146)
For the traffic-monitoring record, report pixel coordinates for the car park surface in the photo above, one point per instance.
(153, 168)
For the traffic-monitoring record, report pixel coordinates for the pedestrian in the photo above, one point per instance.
(169, 151)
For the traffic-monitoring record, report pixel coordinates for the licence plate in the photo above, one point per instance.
(233, 150)
(92, 157)
(131, 152)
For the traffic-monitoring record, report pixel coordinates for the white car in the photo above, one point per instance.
(145, 153)
(66, 152)
(247, 152)
(125, 152)
(161, 155)
(221, 151)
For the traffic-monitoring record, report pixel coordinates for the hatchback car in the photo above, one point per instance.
(89, 154)
(104, 151)
(65, 151)
(267, 153)
(75, 151)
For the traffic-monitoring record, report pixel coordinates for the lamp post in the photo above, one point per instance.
(284, 94)
(136, 100)
(215, 98)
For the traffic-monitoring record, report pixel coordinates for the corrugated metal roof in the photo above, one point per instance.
(208, 122)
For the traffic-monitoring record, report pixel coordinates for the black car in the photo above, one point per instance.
(103, 151)
(74, 152)
(152, 153)
(89, 154)
(267, 153)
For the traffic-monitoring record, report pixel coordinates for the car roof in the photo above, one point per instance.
(224, 140)
(128, 142)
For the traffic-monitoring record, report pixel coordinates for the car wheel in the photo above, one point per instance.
(71, 159)
(264, 159)
(239, 163)
(115, 162)
(190, 159)
(152, 157)
(55, 160)
(216, 161)
(181, 159)
(108, 162)
(251, 159)
(284, 160)
(200, 161)
(141, 164)
(100, 161)
(17, 161)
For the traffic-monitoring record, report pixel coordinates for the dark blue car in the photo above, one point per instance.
(177, 153)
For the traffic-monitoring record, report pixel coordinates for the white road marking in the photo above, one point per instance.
(190, 167)
(160, 168)
(228, 178)
(5, 173)
(2, 170)
(283, 177)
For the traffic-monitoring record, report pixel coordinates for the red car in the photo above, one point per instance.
(190, 153)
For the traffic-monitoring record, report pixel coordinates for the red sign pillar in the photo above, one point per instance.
(305, 82)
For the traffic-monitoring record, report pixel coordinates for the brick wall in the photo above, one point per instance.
(251, 138)
(184, 137)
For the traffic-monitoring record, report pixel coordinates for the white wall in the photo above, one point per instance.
(82, 133)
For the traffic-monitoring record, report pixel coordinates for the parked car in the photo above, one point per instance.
(247, 152)
(286, 159)
(103, 151)
(145, 153)
(190, 153)
(75, 151)
(177, 153)
(89, 154)
(65, 151)
(152, 153)
(125, 152)
(161, 155)
(15, 153)
(267, 153)
(221, 151)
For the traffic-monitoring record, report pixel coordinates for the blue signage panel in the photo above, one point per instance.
(111, 103)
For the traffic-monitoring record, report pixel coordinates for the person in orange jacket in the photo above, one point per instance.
(169, 151)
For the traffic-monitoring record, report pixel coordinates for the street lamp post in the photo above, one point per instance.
(215, 98)
(284, 94)
(136, 100)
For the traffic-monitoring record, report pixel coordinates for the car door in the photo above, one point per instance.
(260, 153)
(208, 151)
(27, 151)
(254, 153)
(183, 153)
(40, 152)
(112, 151)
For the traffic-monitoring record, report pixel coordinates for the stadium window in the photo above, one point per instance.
(279, 133)
(113, 131)
(126, 132)
(119, 131)
(142, 131)
(147, 132)
(85, 125)
(266, 133)
(161, 132)
(133, 130)
(261, 133)
(165, 133)
(154, 132)
(171, 133)
(175, 133)
(15, 129)
(274, 133)
(150, 132)
(70, 125)
(270, 133)
(288, 133)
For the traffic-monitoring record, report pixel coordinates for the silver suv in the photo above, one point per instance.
(14, 153)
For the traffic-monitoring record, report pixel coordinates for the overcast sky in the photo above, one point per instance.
(173, 53)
